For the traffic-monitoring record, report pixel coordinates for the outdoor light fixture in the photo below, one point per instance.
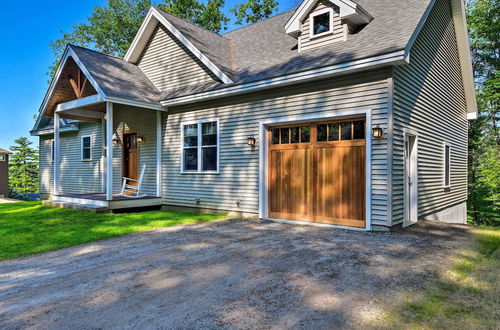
(377, 133)
(116, 139)
(251, 141)
(141, 139)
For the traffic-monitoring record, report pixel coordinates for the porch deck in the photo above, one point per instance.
(97, 202)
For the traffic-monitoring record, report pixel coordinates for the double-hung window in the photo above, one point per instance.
(86, 147)
(200, 146)
(447, 165)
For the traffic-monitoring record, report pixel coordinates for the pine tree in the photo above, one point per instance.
(23, 167)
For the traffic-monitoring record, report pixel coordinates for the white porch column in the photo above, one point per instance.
(103, 156)
(158, 153)
(109, 150)
(57, 155)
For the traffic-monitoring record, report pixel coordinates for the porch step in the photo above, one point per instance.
(75, 206)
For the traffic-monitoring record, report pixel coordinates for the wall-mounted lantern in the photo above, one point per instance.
(141, 139)
(377, 133)
(116, 139)
(251, 141)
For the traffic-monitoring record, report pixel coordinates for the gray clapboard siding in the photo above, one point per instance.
(429, 98)
(305, 40)
(77, 176)
(169, 64)
(239, 118)
(144, 122)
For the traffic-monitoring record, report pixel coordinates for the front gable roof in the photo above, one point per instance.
(110, 78)
(212, 49)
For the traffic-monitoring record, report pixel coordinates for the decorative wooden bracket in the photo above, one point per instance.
(78, 85)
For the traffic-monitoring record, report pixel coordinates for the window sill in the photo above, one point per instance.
(196, 172)
(322, 34)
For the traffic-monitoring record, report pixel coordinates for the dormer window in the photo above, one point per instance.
(321, 22)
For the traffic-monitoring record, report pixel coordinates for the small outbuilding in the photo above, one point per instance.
(4, 172)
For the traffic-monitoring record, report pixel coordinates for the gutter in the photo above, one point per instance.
(395, 58)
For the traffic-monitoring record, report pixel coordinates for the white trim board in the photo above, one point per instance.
(145, 32)
(199, 146)
(312, 15)
(81, 147)
(263, 153)
(396, 58)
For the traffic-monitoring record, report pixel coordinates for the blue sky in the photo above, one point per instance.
(26, 55)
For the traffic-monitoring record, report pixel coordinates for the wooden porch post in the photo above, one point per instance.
(158, 153)
(109, 151)
(57, 156)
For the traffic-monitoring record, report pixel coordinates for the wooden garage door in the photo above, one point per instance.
(317, 172)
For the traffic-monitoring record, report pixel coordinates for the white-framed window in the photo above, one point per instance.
(321, 22)
(52, 150)
(86, 148)
(3, 158)
(200, 146)
(446, 165)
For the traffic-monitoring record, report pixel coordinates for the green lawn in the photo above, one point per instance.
(466, 297)
(28, 228)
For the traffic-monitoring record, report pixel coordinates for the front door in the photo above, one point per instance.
(410, 170)
(130, 156)
(317, 172)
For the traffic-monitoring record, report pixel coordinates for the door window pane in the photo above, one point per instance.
(191, 135)
(276, 136)
(294, 134)
(345, 131)
(285, 135)
(305, 134)
(321, 135)
(359, 130)
(191, 159)
(209, 159)
(209, 134)
(333, 132)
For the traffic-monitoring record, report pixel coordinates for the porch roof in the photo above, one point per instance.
(86, 79)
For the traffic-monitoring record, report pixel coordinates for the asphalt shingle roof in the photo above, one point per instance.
(117, 77)
(262, 50)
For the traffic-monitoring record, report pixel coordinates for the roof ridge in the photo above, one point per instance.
(190, 22)
(253, 24)
(96, 51)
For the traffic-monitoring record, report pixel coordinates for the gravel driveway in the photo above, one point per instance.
(226, 274)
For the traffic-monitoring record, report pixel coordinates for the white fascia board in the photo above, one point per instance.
(396, 58)
(144, 33)
(471, 115)
(68, 52)
(153, 106)
(153, 13)
(80, 103)
(462, 35)
(71, 128)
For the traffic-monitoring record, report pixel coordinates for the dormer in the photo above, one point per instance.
(320, 22)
